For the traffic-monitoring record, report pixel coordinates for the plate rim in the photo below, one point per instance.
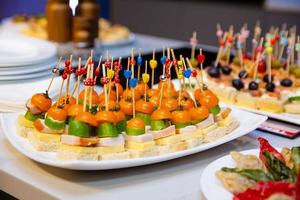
(125, 163)
(205, 174)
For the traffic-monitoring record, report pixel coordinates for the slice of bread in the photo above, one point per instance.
(43, 141)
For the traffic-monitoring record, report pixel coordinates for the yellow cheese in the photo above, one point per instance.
(226, 122)
(45, 137)
(187, 136)
(270, 104)
(25, 122)
(246, 100)
(141, 146)
(209, 129)
(168, 140)
(112, 149)
(78, 149)
(179, 146)
(198, 133)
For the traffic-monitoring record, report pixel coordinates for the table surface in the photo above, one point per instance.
(175, 180)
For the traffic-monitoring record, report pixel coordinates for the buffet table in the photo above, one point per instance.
(26, 179)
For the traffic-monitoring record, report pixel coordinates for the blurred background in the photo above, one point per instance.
(176, 18)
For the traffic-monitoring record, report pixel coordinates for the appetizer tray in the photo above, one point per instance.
(211, 186)
(248, 122)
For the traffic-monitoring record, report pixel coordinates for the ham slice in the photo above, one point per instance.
(78, 141)
(32, 109)
(111, 141)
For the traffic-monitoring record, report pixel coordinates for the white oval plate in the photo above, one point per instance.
(108, 44)
(211, 186)
(20, 51)
(248, 122)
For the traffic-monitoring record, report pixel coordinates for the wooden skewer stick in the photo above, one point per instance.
(193, 46)
(86, 88)
(60, 92)
(117, 88)
(258, 58)
(183, 79)
(282, 47)
(109, 84)
(161, 94)
(139, 67)
(132, 89)
(91, 88)
(298, 50)
(221, 49)
(68, 80)
(190, 65)
(145, 92)
(153, 70)
(78, 81)
(186, 67)
(174, 58)
(53, 76)
(128, 63)
(105, 89)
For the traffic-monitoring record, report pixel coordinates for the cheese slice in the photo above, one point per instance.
(168, 140)
(78, 149)
(164, 150)
(226, 122)
(139, 145)
(147, 137)
(193, 142)
(245, 99)
(179, 146)
(111, 149)
(215, 134)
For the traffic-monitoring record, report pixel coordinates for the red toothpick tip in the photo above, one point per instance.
(194, 73)
(201, 58)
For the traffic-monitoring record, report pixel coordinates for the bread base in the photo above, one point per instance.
(43, 141)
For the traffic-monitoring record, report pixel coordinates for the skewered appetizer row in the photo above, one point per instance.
(263, 81)
(124, 123)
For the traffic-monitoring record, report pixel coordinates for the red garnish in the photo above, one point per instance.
(104, 80)
(97, 71)
(229, 39)
(67, 62)
(265, 146)
(201, 58)
(264, 189)
(260, 49)
(222, 43)
(132, 62)
(64, 76)
(107, 63)
(168, 75)
(194, 73)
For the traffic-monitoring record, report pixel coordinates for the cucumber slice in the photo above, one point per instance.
(135, 131)
(54, 124)
(80, 129)
(145, 117)
(182, 125)
(32, 117)
(215, 110)
(157, 125)
(294, 99)
(69, 119)
(107, 130)
(121, 126)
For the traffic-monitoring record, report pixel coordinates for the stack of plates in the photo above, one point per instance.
(25, 68)
(24, 58)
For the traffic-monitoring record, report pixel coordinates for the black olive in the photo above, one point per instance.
(270, 87)
(286, 82)
(213, 64)
(266, 78)
(243, 74)
(237, 84)
(253, 85)
(226, 70)
(214, 72)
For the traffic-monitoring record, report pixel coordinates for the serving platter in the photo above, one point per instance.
(248, 122)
